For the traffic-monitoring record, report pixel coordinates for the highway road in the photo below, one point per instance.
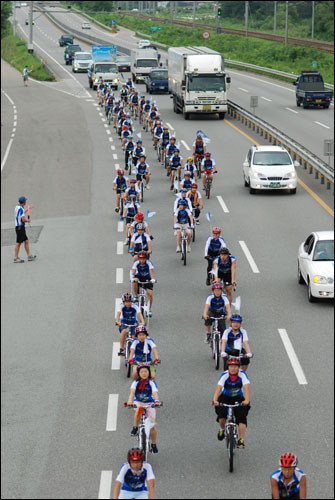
(60, 436)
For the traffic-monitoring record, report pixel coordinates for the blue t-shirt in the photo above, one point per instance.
(128, 314)
(135, 482)
(143, 271)
(293, 487)
(139, 354)
(145, 395)
(233, 388)
(217, 305)
(224, 267)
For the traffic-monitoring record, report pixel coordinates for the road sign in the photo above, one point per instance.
(328, 147)
(253, 101)
(315, 64)
(205, 35)
(113, 21)
(155, 28)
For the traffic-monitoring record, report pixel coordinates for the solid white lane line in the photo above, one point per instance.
(243, 90)
(10, 100)
(117, 303)
(108, 131)
(249, 257)
(119, 275)
(115, 156)
(292, 110)
(13, 135)
(169, 125)
(299, 373)
(116, 360)
(119, 248)
(6, 153)
(186, 146)
(266, 99)
(113, 400)
(120, 227)
(322, 124)
(223, 205)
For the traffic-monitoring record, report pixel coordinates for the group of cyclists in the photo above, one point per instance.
(136, 477)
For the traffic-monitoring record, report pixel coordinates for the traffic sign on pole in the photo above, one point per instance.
(205, 35)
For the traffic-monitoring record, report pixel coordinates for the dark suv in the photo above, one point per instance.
(66, 40)
(69, 53)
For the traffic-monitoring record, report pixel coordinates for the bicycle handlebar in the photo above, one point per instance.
(144, 363)
(152, 405)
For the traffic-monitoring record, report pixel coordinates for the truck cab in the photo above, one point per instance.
(310, 90)
(69, 52)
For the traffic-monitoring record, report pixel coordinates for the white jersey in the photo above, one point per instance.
(235, 341)
(175, 207)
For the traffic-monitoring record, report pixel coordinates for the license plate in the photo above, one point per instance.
(318, 100)
(274, 184)
(206, 106)
(162, 88)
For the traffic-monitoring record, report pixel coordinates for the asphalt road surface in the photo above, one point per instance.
(58, 333)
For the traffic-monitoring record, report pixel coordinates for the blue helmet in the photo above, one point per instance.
(139, 140)
(183, 202)
(236, 317)
(176, 150)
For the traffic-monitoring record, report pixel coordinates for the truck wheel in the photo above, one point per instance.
(298, 103)
(326, 106)
(186, 115)
(91, 84)
(305, 106)
(221, 116)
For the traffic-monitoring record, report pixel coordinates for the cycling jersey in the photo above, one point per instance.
(194, 197)
(116, 110)
(130, 146)
(234, 342)
(170, 149)
(134, 225)
(224, 266)
(153, 115)
(158, 131)
(121, 182)
(134, 99)
(138, 151)
(123, 92)
(183, 216)
(199, 147)
(135, 482)
(217, 305)
(132, 208)
(176, 160)
(177, 203)
(128, 314)
(293, 487)
(142, 168)
(165, 138)
(145, 395)
(191, 169)
(125, 134)
(213, 245)
(143, 350)
(208, 164)
(146, 108)
(186, 183)
(142, 103)
(129, 83)
(143, 270)
(19, 213)
(132, 190)
(233, 388)
(140, 242)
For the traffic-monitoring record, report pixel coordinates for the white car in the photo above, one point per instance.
(81, 61)
(269, 167)
(316, 265)
(143, 43)
(86, 26)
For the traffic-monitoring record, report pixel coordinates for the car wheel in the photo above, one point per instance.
(252, 190)
(293, 191)
(301, 280)
(245, 182)
(311, 298)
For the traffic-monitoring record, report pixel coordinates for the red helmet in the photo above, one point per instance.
(233, 361)
(217, 285)
(194, 185)
(132, 181)
(216, 229)
(120, 171)
(208, 154)
(139, 216)
(288, 460)
(135, 455)
(144, 255)
(124, 127)
(141, 329)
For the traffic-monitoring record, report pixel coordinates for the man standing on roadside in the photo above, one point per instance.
(21, 237)
(25, 74)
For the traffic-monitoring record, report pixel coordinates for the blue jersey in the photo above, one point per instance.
(19, 213)
(199, 148)
(140, 242)
(293, 487)
(233, 386)
(142, 271)
(146, 107)
(186, 183)
(138, 151)
(145, 395)
(214, 245)
(234, 342)
(183, 215)
(134, 99)
(224, 266)
(190, 168)
(158, 131)
(217, 305)
(165, 138)
(142, 168)
(128, 314)
(135, 482)
(153, 114)
(176, 160)
(132, 208)
(208, 164)
(121, 182)
(130, 146)
(139, 354)
(170, 149)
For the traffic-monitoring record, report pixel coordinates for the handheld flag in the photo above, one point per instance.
(237, 303)
(28, 209)
(150, 214)
(209, 217)
(140, 411)
(139, 135)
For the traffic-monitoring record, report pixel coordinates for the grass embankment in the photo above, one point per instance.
(275, 55)
(14, 51)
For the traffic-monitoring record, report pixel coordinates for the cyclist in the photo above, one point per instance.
(145, 112)
(217, 304)
(152, 116)
(169, 150)
(213, 246)
(186, 183)
(288, 481)
(137, 151)
(199, 148)
(164, 140)
(119, 185)
(115, 112)
(233, 386)
(136, 478)
(207, 165)
(131, 208)
(140, 242)
(127, 313)
(134, 100)
(124, 93)
(158, 131)
(190, 167)
(109, 104)
(129, 83)
(100, 89)
(182, 196)
(131, 190)
(143, 270)
(224, 268)
(140, 107)
(141, 350)
(143, 170)
(139, 219)
(128, 147)
(176, 163)
(196, 199)
(183, 216)
(235, 341)
(125, 133)
(143, 392)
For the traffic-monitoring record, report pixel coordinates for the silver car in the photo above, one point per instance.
(81, 61)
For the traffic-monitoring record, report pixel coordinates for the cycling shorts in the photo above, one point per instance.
(151, 412)
(129, 220)
(120, 190)
(139, 176)
(240, 412)
(146, 285)
(226, 278)
(179, 226)
(221, 322)
(132, 329)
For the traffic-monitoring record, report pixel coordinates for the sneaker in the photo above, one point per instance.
(208, 338)
(147, 186)
(121, 219)
(154, 448)
(125, 241)
(197, 221)
(240, 443)
(171, 187)
(150, 314)
(18, 260)
(117, 210)
(134, 431)
(178, 249)
(121, 352)
(208, 281)
(126, 167)
(179, 179)
(221, 435)
(167, 174)
(188, 249)
(31, 257)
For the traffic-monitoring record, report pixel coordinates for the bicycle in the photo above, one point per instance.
(193, 230)
(145, 363)
(231, 432)
(122, 191)
(144, 427)
(128, 342)
(208, 182)
(142, 186)
(129, 161)
(183, 241)
(159, 151)
(143, 302)
(198, 160)
(242, 354)
(215, 338)
(109, 116)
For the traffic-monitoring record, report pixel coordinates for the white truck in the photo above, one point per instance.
(142, 62)
(197, 81)
(103, 64)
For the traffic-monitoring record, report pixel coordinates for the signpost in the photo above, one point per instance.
(155, 28)
(328, 148)
(113, 22)
(254, 102)
(205, 35)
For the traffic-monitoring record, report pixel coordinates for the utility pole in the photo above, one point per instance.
(194, 5)
(286, 23)
(216, 17)
(171, 11)
(246, 18)
(14, 24)
(275, 18)
(30, 42)
(313, 19)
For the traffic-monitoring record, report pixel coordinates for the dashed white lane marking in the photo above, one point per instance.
(186, 146)
(249, 257)
(103, 120)
(322, 124)
(89, 100)
(100, 113)
(169, 125)
(120, 226)
(13, 135)
(108, 131)
(110, 139)
(113, 400)
(223, 205)
(266, 99)
(117, 303)
(243, 90)
(115, 156)
(117, 166)
(95, 104)
(15, 123)
(119, 275)
(113, 148)
(116, 360)
(14, 129)
(292, 110)
(6, 153)
(105, 124)
(299, 373)
(119, 248)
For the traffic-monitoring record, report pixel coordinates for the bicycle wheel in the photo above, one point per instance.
(128, 365)
(142, 306)
(225, 366)
(193, 234)
(146, 125)
(208, 189)
(121, 205)
(217, 351)
(142, 190)
(230, 438)
(184, 250)
(144, 444)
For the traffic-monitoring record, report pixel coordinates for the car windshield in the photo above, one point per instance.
(82, 56)
(67, 37)
(213, 83)
(106, 68)
(74, 49)
(123, 60)
(159, 75)
(147, 63)
(271, 158)
(324, 250)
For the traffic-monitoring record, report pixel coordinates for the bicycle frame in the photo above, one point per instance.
(231, 432)
(128, 342)
(144, 427)
(215, 340)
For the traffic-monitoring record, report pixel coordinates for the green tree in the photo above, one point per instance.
(6, 11)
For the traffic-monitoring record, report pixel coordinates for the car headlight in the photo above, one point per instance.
(258, 175)
(322, 280)
(292, 175)
(94, 78)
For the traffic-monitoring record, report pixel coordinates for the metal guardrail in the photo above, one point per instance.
(306, 158)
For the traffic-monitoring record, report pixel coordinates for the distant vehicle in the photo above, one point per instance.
(134, 10)
(142, 63)
(104, 65)
(86, 26)
(81, 62)
(269, 167)
(123, 63)
(65, 39)
(17, 5)
(27, 22)
(142, 43)
(70, 51)
(310, 90)
(316, 265)
(149, 47)
(157, 81)
(24, 4)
